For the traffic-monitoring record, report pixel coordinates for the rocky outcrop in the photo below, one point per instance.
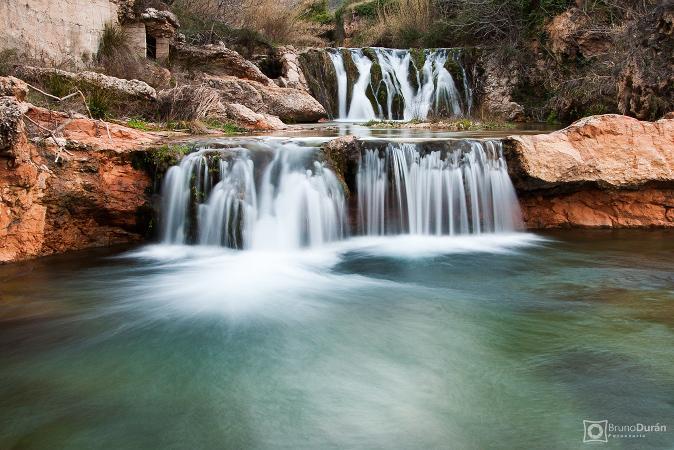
(217, 60)
(321, 78)
(571, 35)
(292, 74)
(290, 105)
(646, 83)
(75, 191)
(122, 90)
(498, 83)
(602, 171)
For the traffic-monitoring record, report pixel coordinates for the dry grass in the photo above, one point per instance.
(401, 23)
(187, 103)
(275, 21)
(282, 22)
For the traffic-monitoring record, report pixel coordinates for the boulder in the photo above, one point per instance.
(123, 90)
(247, 118)
(217, 60)
(290, 105)
(607, 151)
(292, 74)
(602, 171)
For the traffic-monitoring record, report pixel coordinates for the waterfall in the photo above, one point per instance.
(422, 91)
(342, 81)
(295, 202)
(278, 195)
(361, 107)
(466, 190)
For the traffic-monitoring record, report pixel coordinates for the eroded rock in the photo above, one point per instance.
(290, 105)
(93, 196)
(217, 60)
(602, 171)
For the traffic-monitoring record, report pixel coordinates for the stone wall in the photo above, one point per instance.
(55, 31)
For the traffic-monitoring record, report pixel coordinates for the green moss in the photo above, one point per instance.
(318, 12)
(139, 124)
(156, 161)
(418, 57)
(225, 127)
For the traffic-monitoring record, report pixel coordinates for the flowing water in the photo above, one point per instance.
(403, 91)
(479, 341)
(285, 307)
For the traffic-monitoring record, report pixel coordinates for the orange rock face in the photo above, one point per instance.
(602, 171)
(91, 197)
(646, 208)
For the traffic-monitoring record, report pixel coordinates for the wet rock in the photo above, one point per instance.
(342, 156)
(321, 78)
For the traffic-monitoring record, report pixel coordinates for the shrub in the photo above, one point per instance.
(99, 103)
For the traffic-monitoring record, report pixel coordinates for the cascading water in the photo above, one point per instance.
(277, 196)
(296, 202)
(466, 190)
(404, 91)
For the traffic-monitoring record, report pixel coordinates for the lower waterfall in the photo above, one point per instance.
(466, 190)
(280, 196)
(215, 197)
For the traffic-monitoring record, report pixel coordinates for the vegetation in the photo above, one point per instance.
(225, 127)
(7, 59)
(462, 124)
(139, 124)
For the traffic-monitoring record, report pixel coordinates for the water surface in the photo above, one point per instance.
(491, 341)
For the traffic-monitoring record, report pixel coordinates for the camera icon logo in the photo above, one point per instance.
(595, 430)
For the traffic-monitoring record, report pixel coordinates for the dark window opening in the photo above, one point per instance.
(151, 47)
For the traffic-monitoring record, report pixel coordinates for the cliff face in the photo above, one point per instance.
(77, 191)
(602, 171)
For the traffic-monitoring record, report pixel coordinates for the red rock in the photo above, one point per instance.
(602, 171)
(91, 198)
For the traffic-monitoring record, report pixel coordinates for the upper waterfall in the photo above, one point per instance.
(392, 84)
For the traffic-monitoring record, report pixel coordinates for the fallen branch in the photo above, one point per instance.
(69, 96)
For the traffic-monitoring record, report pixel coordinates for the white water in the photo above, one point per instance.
(296, 202)
(422, 91)
(361, 108)
(342, 84)
(464, 191)
(276, 196)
